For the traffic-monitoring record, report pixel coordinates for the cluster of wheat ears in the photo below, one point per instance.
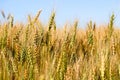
(34, 51)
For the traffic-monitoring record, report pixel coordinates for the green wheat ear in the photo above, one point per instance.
(54, 24)
(90, 33)
(111, 24)
(51, 22)
(75, 30)
(11, 21)
(74, 34)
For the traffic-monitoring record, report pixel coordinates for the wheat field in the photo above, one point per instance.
(33, 51)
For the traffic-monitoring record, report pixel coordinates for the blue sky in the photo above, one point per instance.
(98, 11)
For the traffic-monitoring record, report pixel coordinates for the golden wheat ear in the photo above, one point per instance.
(37, 16)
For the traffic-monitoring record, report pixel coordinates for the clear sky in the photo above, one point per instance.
(98, 11)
